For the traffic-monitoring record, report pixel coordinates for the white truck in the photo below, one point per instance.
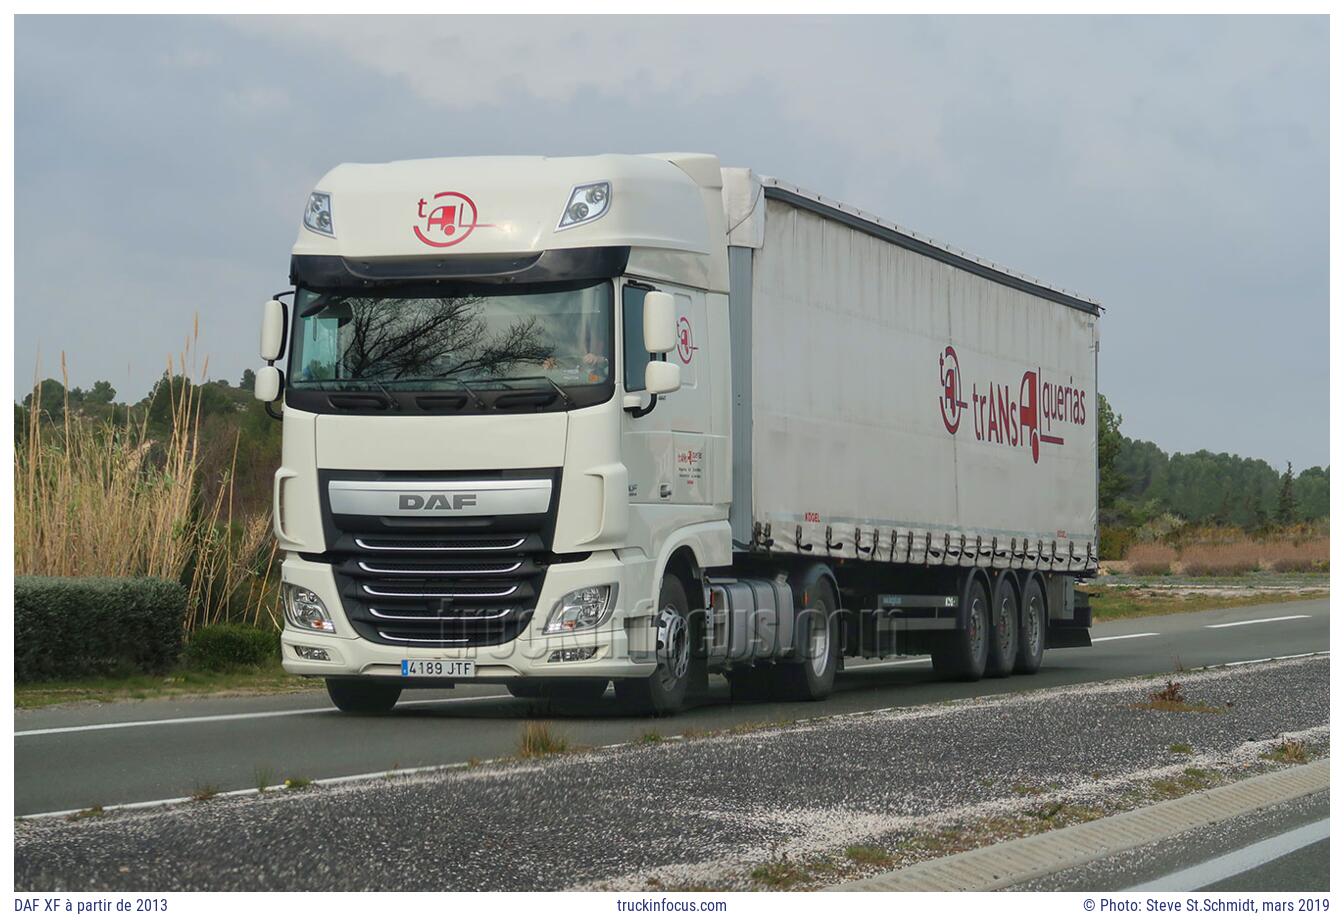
(564, 422)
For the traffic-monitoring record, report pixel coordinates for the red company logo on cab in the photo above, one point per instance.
(446, 219)
(1020, 415)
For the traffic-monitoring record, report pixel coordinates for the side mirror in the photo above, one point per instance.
(266, 387)
(272, 330)
(661, 377)
(660, 323)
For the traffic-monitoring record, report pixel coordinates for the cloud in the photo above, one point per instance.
(1174, 167)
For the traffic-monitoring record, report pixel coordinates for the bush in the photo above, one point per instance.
(1150, 559)
(1115, 542)
(90, 627)
(229, 646)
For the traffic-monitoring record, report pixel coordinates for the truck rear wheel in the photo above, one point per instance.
(664, 691)
(569, 690)
(1031, 644)
(1003, 632)
(818, 641)
(365, 696)
(961, 653)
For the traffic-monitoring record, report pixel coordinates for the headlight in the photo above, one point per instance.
(317, 216)
(305, 610)
(586, 204)
(582, 609)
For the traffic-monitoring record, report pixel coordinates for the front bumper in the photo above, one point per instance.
(623, 643)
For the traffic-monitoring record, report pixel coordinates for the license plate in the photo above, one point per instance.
(426, 667)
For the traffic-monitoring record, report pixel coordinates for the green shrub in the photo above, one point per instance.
(84, 627)
(229, 646)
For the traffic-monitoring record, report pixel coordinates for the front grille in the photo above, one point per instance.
(439, 591)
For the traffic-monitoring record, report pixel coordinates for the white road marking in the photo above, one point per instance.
(1096, 639)
(1296, 616)
(1276, 658)
(232, 717)
(1239, 861)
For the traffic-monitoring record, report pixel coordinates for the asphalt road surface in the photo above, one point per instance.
(80, 756)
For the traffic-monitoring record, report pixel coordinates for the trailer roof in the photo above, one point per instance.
(909, 239)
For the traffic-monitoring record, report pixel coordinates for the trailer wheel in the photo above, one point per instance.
(664, 691)
(961, 654)
(363, 696)
(1031, 645)
(813, 678)
(570, 690)
(1003, 632)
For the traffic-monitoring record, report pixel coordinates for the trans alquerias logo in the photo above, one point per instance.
(446, 219)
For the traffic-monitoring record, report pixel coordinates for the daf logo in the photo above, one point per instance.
(436, 501)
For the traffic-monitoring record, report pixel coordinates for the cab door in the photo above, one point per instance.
(665, 449)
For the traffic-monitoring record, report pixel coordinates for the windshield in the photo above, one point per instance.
(428, 340)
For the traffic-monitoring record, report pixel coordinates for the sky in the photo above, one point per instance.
(1173, 168)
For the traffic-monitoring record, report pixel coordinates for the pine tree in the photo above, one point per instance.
(1287, 500)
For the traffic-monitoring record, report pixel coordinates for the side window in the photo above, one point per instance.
(632, 322)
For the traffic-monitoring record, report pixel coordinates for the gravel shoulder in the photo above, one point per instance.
(799, 806)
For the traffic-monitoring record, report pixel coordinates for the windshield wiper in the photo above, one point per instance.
(388, 393)
(564, 394)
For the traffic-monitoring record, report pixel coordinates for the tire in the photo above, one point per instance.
(1031, 630)
(961, 654)
(664, 691)
(1004, 630)
(362, 696)
(813, 678)
(568, 689)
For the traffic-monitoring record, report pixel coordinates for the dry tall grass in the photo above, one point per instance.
(1221, 558)
(95, 498)
(1150, 559)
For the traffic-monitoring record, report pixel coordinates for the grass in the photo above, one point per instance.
(1150, 559)
(204, 792)
(1224, 557)
(1172, 699)
(1181, 748)
(295, 783)
(263, 778)
(1120, 603)
(869, 856)
(1290, 750)
(540, 740)
(651, 737)
(96, 811)
(270, 678)
(780, 874)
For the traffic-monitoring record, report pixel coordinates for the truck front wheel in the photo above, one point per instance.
(364, 696)
(961, 654)
(664, 691)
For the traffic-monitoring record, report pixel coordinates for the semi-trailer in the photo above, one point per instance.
(567, 422)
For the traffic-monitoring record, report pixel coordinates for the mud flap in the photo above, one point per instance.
(1073, 632)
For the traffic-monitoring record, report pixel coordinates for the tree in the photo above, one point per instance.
(1109, 442)
(102, 393)
(249, 380)
(1287, 500)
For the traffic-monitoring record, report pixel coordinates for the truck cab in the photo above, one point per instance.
(504, 389)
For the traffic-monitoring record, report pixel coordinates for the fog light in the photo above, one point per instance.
(305, 610)
(581, 609)
(311, 653)
(573, 654)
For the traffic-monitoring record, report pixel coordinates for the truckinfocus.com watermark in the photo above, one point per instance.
(670, 905)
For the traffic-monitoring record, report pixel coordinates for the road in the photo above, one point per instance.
(1282, 848)
(81, 756)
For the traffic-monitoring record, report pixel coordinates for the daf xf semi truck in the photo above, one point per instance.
(560, 423)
